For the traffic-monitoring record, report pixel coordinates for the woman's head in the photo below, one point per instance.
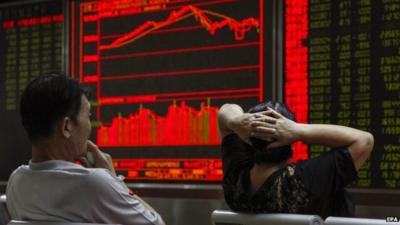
(275, 155)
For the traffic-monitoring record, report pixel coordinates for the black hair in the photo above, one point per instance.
(47, 99)
(275, 155)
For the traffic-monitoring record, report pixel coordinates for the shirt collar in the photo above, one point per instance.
(52, 164)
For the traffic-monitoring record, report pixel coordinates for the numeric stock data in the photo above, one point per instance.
(348, 74)
(31, 44)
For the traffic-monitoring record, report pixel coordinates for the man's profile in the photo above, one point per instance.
(55, 113)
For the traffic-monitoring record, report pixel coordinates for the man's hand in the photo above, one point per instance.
(101, 159)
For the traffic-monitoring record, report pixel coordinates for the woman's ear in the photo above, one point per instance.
(66, 127)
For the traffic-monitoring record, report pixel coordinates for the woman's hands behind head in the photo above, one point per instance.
(273, 127)
(241, 125)
(267, 125)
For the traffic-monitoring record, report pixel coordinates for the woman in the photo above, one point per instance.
(258, 175)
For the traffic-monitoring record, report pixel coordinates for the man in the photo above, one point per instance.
(258, 177)
(55, 113)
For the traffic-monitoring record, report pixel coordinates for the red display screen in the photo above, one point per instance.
(296, 66)
(159, 71)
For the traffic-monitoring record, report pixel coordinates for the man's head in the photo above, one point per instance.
(55, 107)
(275, 155)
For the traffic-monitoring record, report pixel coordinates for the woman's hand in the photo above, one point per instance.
(241, 125)
(273, 127)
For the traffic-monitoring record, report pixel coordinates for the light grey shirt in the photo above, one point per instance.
(59, 190)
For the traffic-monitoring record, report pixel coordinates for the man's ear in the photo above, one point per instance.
(66, 127)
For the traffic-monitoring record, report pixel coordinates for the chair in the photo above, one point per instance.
(219, 217)
(353, 221)
(4, 215)
(16, 222)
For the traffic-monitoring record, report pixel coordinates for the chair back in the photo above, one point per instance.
(4, 215)
(18, 222)
(353, 221)
(220, 217)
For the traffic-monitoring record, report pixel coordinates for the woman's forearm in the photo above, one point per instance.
(358, 142)
(226, 115)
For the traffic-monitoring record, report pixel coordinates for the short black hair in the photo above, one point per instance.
(47, 99)
(276, 155)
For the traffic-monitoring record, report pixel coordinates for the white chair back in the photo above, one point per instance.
(220, 217)
(17, 222)
(354, 221)
(4, 215)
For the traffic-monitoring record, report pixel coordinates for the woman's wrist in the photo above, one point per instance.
(233, 123)
(300, 131)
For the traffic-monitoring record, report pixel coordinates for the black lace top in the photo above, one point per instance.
(314, 186)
